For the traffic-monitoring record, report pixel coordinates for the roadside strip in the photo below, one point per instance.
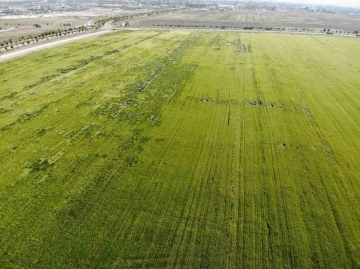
(24, 51)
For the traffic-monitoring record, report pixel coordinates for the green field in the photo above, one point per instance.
(148, 149)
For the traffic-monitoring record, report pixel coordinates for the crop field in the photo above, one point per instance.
(180, 149)
(246, 18)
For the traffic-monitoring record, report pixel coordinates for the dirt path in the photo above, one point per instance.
(24, 51)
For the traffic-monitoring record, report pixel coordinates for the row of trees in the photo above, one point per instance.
(9, 44)
(251, 28)
(340, 32)
(98, 24)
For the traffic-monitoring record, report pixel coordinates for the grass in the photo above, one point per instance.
(150, 149)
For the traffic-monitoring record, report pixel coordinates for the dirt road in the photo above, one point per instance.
(24, 51)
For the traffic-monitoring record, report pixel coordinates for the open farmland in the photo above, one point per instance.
(24, 27)
(164, 149)
(245, 18)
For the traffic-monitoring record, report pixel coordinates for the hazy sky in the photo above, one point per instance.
(328, 2)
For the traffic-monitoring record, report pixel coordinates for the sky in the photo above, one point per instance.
(355, 3)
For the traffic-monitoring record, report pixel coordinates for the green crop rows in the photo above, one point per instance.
(148, 149)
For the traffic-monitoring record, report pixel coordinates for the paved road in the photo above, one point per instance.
(24, 51)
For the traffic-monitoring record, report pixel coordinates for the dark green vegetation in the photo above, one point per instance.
(182, 150)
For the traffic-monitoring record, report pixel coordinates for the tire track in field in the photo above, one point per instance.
(341, 56)
(276, 177)
(189, 219)
(323, 142)
(230, 131)
(144, 190)
(280, 200)
(305, 91)
(159, 159)
(249, 184)
(243, 162)
(198, 204)
(324, 73)
(261, 141)
(223, 174)
(195, 200)
(338, 188)
(317, 128)
(301, 195)
(185, 213)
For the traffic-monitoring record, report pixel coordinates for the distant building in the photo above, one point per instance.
(225, 7)
(67, 24)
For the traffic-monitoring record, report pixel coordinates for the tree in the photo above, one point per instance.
(356, 32)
